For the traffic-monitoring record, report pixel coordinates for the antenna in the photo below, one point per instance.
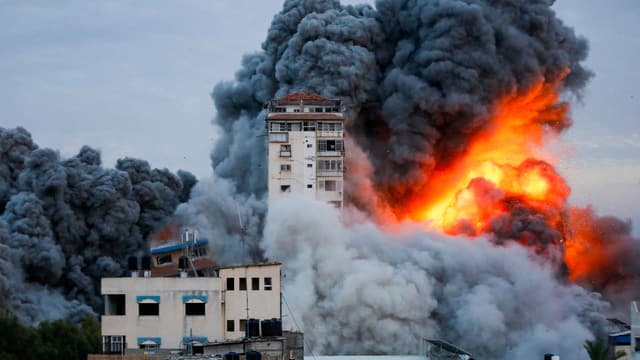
(243, 231)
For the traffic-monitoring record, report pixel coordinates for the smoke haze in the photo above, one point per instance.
(65, 223)
(419, 80)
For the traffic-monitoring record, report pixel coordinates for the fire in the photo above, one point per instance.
(501, 167)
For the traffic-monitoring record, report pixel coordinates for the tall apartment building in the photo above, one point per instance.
(306, 147)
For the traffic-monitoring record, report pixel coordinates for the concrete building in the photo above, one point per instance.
(166, 256)
(188, 314)
(634, 335)
(306, 147)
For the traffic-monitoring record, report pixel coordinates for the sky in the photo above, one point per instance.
(133, 78)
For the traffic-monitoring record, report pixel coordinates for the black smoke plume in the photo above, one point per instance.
(65, 223)
(419, 79)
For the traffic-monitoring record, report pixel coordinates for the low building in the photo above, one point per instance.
(186, 314)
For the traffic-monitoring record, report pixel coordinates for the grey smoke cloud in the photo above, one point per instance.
(356, 289)
(65, 223)
(419, 79)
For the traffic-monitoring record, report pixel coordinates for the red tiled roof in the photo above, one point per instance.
(307, 98)
(172, 270)
(304, 116)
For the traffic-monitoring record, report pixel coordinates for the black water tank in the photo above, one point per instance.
(183, 263)
(132, 263)
(253, 355)
(276, 327)
(548, 356)
(252, 328)
(232, 356)
(266, 328)
(146, 263)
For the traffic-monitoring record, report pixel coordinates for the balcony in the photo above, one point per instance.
(285, 153)
(329, 173)
(330, 134)
(330, 153)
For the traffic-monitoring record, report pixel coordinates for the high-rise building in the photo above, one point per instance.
(306, 147)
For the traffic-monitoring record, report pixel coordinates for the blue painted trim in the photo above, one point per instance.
(171, 248)
(141, 298)
(154, 339)
(200, 339)
(202, 298)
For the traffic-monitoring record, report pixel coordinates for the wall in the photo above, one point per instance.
(171, 325)
(250, 304)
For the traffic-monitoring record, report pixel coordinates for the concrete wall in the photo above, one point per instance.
(171, 325)
(250, 304)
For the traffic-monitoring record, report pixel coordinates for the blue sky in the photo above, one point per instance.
(133, 78)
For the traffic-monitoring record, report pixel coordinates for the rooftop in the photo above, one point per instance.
(304, 97)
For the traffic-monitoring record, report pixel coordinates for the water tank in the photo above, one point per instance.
(252, 328)
(183, 263)
(253, 355)
(276, 327)
(132, 263)
(232, 356)
(267, 327)
(146, 263)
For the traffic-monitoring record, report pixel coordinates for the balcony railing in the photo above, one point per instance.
(285, 153)
(330, 153)
(331, 134)
(329, 173)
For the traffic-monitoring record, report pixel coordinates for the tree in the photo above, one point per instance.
(598, 350)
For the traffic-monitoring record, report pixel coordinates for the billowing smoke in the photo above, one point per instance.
(65, 223)
(420, 80)
(360, 289)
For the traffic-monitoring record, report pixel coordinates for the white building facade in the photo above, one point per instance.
(163, 314)
(306, 147)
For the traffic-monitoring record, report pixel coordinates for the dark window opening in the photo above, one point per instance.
(231, 325)
(230, 284)
(197, 350)
(243, 324)
(148, 309)
(284, 188)
(114, 304)
(309, 186)
(194, 309)
(164, 259)
(255, 283)
(267, 283)
(243, 283)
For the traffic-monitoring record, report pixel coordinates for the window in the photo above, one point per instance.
(113, 344)
(198, 252)
(330, 165)
(243, 283)
(318, 109)
(331, 126)
(267, 283)
(194, 309)
(163, 259)
(148, 309)
(284, 188)
(280, 109)
(285, 167)
(309, 165)
(285, 150)
(230, 284)
(278, 137)
(309, 186)
(330, 185)
(231, 325)
(243, 325)
(255, 283)
(309, 126)
(331, 145)
(296, 110)
(309, 146)
(114, 304)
